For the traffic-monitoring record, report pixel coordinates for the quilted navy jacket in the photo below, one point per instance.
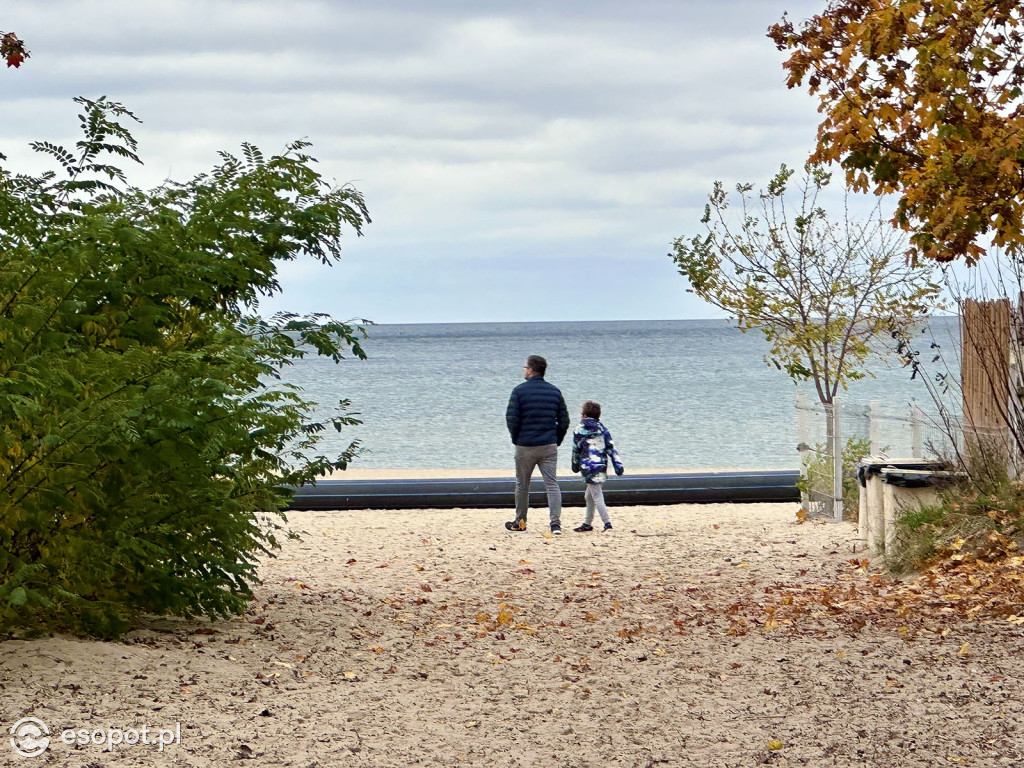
(536, 413)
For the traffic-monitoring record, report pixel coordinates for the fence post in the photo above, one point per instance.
(837, 463)
(875, 426)
(915, 429)
(801, 419)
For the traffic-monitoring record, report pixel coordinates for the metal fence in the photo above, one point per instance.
(852, 431)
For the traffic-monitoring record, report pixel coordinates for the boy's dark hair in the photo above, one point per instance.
(591, 410)
(537, 364)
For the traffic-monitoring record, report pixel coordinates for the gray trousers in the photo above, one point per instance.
(594, 497)
(545, 457)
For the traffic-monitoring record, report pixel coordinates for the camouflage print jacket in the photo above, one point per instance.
(592, 446)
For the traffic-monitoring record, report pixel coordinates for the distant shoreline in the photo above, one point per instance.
(362, 473)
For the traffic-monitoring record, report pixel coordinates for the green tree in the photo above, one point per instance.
(923, 98)
(821, 291)
(144, 462)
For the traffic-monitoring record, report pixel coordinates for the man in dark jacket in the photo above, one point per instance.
(537, 421)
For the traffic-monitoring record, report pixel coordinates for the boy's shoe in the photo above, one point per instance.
(583, 528)
(515, 525)
(607, 526)
(556, 529)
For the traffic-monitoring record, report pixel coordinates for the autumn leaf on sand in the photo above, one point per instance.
(505, 614)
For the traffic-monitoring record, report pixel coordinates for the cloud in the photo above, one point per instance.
(493, 141)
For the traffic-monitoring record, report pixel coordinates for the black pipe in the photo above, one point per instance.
(492, 492)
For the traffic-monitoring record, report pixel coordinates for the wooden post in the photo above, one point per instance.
(985, 379)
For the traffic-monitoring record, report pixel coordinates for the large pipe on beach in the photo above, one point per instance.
(493, 492)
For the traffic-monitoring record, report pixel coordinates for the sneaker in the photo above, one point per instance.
(515, 525)
(556, 529)
(583, 528)
(607, 526)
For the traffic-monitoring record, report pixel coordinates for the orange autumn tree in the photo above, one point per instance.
(922, 98)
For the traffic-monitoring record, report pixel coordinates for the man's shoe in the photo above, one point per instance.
(556, 529)
(607, 526)
(583, 528)
(515, 525)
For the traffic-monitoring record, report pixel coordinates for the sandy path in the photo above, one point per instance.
(436, 638)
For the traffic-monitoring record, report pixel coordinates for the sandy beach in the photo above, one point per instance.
(437, 638)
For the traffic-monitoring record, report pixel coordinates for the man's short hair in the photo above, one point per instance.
(537, 364)
(591, 410)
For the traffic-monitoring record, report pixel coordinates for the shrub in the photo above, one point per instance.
(817, 473)
(139, 443)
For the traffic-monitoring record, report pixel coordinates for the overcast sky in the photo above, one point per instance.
(527, 160)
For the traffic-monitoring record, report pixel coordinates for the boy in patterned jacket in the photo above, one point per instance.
(592, 446)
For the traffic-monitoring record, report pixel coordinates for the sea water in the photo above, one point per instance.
(679, 394)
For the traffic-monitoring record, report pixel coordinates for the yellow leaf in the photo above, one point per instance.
(350, 675)
(526, 562)
(957, 545)
(483, 618)
(965, 650)
(742, 565)
(775, 744)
